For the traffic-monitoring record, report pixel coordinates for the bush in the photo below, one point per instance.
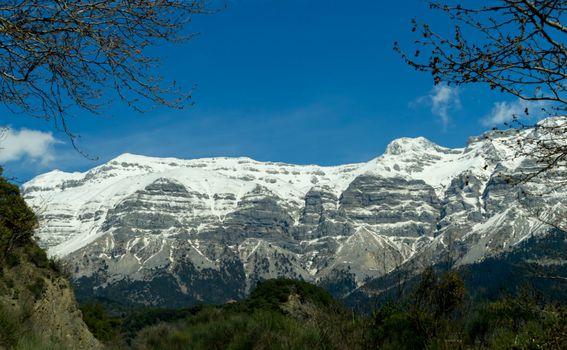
(101, 325)
(428, 315)
(215, 329)
(37, 256)
(37, 288)
(519, 322)
(270, 294)
(139, 319)
(35, 343)
(10, 330)
(435, 316)
(260, 323)
(12, 259)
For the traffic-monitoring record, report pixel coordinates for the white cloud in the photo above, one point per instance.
(24, 143)
(503, 112)
(443, 100)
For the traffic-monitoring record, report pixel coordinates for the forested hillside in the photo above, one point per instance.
(287, 314)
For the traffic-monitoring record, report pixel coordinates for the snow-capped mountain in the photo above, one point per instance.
(172, 232)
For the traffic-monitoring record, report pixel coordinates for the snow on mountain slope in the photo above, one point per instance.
(178, 229)
(105, 186)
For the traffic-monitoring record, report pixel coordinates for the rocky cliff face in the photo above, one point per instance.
(172, 232)
(41, 303)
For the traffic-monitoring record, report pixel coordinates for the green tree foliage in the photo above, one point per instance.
(100, 323)
(17, 221)
(10, 329)
(519, 323)
(270, 294)
(217, 329)
(279, 314)
(110, 322)
(437, 315)
(429, 313)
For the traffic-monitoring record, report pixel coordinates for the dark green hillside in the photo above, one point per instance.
(279, 314)
(286, 314)
(538, 264)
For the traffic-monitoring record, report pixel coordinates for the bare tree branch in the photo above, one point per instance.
(55, 54)
(518, 47)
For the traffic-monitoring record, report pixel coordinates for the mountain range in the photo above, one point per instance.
(172, 232)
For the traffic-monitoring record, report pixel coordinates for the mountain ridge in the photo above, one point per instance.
(217, 222)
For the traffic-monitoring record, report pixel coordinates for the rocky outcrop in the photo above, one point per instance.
(39, 302)
(56, 316)
(399, 207)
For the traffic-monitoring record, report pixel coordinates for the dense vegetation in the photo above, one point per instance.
(537, 263)
(439, 315)
(286, 314)
(279, 314)
(17, 221)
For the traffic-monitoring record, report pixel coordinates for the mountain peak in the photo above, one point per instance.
(553, 121)
(132, 158)
(409, 144)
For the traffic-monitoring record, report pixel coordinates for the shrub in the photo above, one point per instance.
(259, 323)
(518, 322)
(427, 318)
(9, 283)
(10, 330)
(31, 342)
(141, 318)
(37, 288)
(435, 316)
(101, 325)
(218, 329)
(37, 256)
(270, 294)
(12, 259)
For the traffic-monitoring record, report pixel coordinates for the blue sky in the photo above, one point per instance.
(282, 80)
